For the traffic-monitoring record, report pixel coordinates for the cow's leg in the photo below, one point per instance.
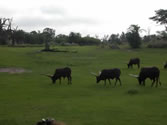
(109, 81)
(105, 82)
(116, 81)
(159, 81)
(70, 80)
(138, 66)
(120, 81)
(59, 80)
(153, 83)
(156, 82)
(143, 82)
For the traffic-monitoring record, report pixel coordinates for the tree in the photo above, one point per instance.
(74, 37)
(48, 34)
(114, 38)
(162, 35)
(133, 36)
(89, 41)
(123, 37)
(5, 28)
(160, 17)
(19, 36)
(105, 39)
(61, 39)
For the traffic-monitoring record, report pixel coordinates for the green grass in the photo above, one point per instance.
(28, 97)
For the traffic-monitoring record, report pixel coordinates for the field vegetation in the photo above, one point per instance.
(28, 97)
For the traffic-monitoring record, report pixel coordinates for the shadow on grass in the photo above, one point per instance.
(58, 50)
(133, 91)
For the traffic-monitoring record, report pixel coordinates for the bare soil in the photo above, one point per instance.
(13, 70)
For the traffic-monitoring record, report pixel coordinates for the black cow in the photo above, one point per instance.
(61, 72)
(165, 65)
(109, 74)
(134, 61)
(49, 122)
(149, 72)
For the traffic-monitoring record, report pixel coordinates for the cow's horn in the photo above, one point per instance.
(43, 119)
(47, 75)
(136, 76)
(93, 73)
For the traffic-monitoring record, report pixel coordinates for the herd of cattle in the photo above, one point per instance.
(152, 73)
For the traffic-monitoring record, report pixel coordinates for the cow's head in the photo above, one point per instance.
(98, 79)
(139, 80)
(128, 65)
(51, 77)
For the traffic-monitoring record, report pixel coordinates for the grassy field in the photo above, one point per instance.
(28, 97)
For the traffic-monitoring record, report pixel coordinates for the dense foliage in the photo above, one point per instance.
(133, 36)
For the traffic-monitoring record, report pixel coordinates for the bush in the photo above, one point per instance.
(109, 46)
(158, 44)
(114, 46)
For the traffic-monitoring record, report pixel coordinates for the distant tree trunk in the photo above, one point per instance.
(48, 34)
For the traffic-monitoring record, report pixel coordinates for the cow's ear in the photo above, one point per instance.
(48, 75)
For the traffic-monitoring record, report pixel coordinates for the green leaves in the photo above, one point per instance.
(160, 16)
(133, 36)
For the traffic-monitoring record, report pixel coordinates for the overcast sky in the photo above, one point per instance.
(94, 17)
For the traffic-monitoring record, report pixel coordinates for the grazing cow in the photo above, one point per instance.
(109, 74)
(165, 65)
(134, 61)
(61, 72)
(148, 72)
(49, 122)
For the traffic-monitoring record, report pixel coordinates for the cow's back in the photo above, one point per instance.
(134, 61)
(149, 72)
(110, 73)
(64, 72)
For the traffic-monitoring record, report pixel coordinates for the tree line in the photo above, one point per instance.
(14, 36)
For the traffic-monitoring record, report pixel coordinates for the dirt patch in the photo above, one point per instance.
(13, 70)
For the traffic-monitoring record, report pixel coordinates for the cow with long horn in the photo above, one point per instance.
(59, 73)
(49, 121)
(107, 74)
(148, 72)
(134, 61)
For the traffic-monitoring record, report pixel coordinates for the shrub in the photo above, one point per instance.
(114, 46)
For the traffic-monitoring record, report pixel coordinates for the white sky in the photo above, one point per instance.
(94, 17)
